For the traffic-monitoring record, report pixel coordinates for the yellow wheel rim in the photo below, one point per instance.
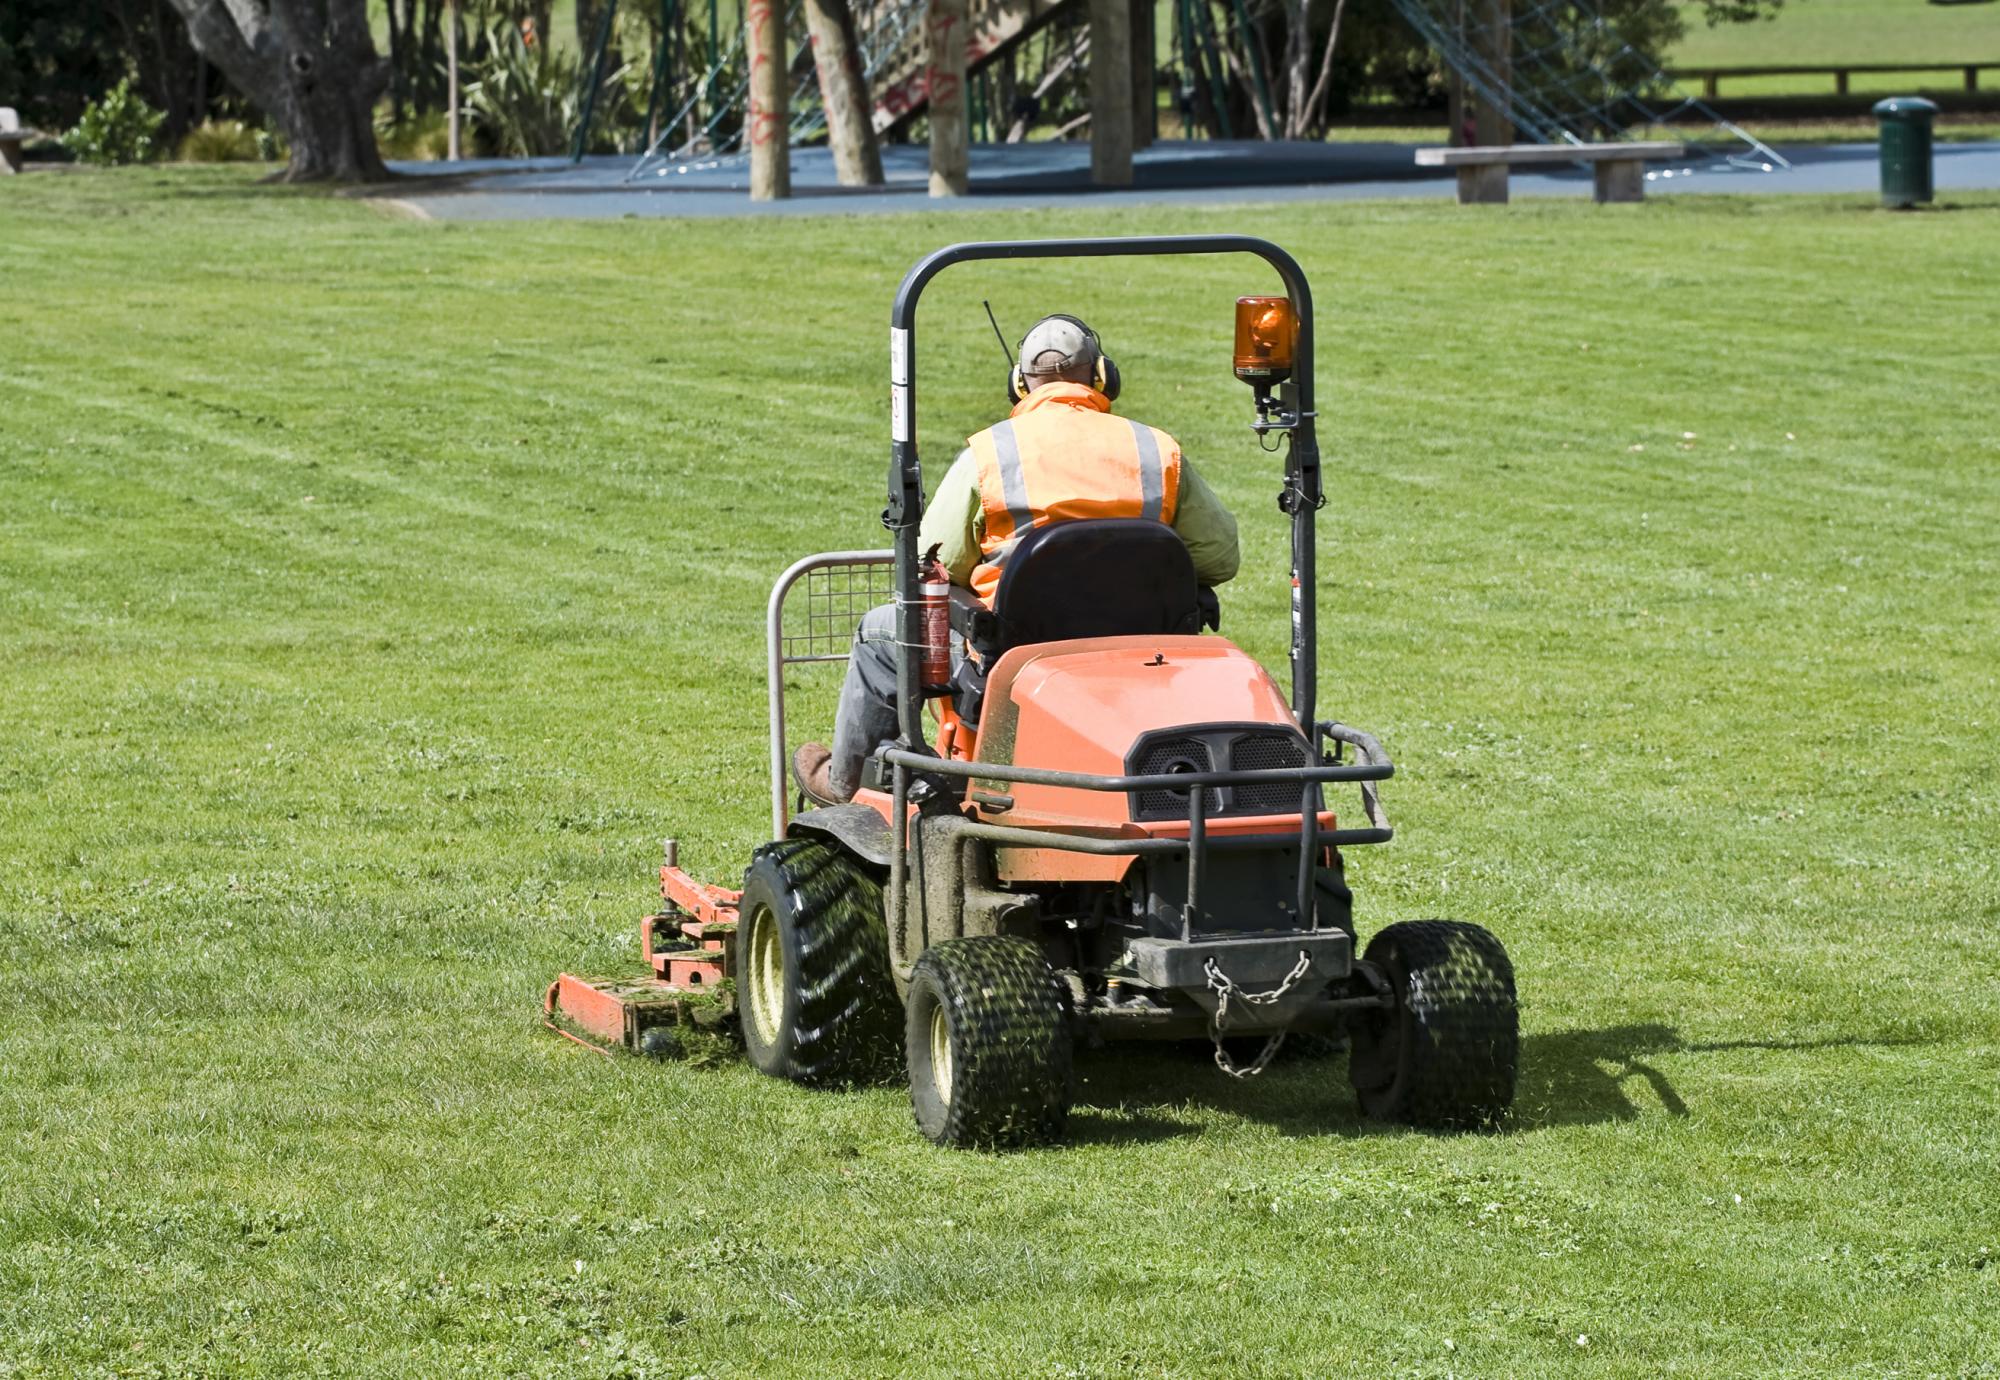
(941, 1054)
(765, 975)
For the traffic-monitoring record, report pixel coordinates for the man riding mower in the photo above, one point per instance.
(1118, 829)
(1059, 457)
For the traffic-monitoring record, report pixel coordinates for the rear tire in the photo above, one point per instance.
(813, 994)
(1446, 1057)
(986, 1036)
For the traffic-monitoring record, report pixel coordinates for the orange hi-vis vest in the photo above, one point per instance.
(1061, 456)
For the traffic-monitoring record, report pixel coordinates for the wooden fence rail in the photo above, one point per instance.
(1711, 77)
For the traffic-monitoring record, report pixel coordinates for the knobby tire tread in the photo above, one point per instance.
(846, 1022)
(1458, 1014)
(1012, 1046)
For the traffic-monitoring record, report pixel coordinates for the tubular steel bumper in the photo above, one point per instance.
(1374, 766)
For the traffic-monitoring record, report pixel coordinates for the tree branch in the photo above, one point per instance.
(1316, 102)
(217, 33)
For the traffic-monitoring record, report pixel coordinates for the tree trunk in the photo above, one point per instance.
(1491, 120)
(1111, 93)
(1233, 62)
(331, 127)
(843, 90)
(1145, 82)
(1078, 50)
(1298, 62)
(770, 114)
(311, 65)
(1006, 96)
(429, 79)
(944, 86)
(1322, 85)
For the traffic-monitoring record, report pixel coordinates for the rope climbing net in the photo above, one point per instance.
(1574, 72)
(693, 136)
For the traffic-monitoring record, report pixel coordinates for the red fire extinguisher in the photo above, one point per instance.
(934, 615)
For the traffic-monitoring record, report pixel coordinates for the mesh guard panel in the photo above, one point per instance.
(1167, 755)
(1265, 752)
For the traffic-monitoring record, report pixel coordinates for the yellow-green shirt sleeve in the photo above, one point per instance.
(1206, 525)
(954, 521)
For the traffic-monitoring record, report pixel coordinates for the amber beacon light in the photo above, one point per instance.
(1267, 332)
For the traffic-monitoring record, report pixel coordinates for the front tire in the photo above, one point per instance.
(986, 1036)
(1447, 1055)
(813, 993)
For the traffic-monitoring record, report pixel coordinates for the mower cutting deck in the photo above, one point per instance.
(1118, 829)
(686, 944)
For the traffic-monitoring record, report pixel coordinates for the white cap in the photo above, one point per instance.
(1057, 346)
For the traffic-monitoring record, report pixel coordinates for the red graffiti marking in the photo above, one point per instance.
(766, 126)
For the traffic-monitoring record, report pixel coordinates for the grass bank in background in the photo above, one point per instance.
(1949, 129)
(1828, 32)
(375, 595)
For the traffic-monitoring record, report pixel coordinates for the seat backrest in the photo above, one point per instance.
(10, 121)
(1097, 577)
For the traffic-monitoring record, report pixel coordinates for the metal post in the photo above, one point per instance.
(1308, 845)
(1197, 846)
(899, 862)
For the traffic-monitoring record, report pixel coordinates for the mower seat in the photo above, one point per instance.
(1095, 577)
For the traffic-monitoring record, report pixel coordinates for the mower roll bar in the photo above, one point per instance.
(1300, 497)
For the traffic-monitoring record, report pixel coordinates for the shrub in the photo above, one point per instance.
(119, 127)
(272, 146)
(222, 141)
(419, 137)
(524, 100)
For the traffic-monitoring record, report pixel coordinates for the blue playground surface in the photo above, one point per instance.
(1035, 175)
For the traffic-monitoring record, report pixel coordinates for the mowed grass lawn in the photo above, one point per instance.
(375, 595)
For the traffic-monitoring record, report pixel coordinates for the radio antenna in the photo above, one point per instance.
(997, 334)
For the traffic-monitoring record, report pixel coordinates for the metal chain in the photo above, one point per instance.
(1225, 989)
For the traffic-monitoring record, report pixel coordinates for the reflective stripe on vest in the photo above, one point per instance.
(1062, 457)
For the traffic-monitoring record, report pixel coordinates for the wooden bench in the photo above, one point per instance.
(1482, 169)
(12, 136)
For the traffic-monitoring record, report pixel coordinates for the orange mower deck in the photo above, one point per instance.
(685, 944)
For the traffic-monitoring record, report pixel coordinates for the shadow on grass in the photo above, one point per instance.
(1580, 1077)
(1568, 1078)
(1300, 1095)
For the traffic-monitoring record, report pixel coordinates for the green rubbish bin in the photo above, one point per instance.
(1906, 149)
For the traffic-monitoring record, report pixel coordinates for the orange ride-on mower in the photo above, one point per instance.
(1120, 833)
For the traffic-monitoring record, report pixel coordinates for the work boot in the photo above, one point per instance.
(812, 768)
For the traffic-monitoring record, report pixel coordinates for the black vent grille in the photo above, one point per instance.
(1221, 747)
(1172, 755)
(1266, 752)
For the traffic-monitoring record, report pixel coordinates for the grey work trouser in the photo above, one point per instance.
(866, 717)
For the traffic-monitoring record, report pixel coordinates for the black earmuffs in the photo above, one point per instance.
(1104, 374)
